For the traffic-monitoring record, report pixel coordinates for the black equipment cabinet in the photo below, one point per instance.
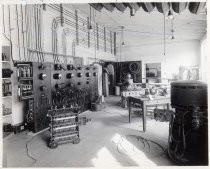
(42, 95)
(43, 86)
(34, 88)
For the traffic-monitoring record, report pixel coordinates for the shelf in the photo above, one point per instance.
(6, 78)
(6, 61)
(25, 78)
(7, 115)
(26, 97)
(5, 97)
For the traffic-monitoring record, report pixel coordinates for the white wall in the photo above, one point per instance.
(177, 54)
(48, 16)
(204, 59)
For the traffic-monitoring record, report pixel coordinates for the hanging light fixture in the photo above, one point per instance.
(164, 36)
(90, 28)
(172, 30)
(123, 43)
(132, 11)
(170, 14)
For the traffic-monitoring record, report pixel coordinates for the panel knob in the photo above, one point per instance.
(70, 84)
(95, 74)
(57, 67)
(57, 76)
(57, 86)
(70, 75)
(43, 88)
(42, 76)
(70, 67)
(79, 74)
(87, 74)
(79, 68)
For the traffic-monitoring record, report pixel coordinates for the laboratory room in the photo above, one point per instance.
(104, 84)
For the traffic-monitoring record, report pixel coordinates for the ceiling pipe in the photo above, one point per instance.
(120, 6)
(162, 7)
(135, 6)
(148, 7)
(178, 7)
(108, 6)
(97, 6)
(196, 7)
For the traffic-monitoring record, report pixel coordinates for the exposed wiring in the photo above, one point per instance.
(9, 39)
(164, 37)
(27, 151)
(18, 33)
(23, 33)
(3, 17)
(173, 153)
(143, 140)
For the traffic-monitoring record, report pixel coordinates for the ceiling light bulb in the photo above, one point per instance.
(90, 28)
(172, 38)
(132, 11)
(170, 15)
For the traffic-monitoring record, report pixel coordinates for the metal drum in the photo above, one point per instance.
(188, 128)
(188, 93)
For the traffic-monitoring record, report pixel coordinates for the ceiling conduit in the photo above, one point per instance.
(162, 7)
(120, 6)
(108, 6)
(135, 6)
(178, 7)
(148, 7)
(196, 7)
(97, 6)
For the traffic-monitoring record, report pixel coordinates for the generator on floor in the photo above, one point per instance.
(64, 126)
(188, 129)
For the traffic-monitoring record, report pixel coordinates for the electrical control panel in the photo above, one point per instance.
(50, 85)
(25, 81)
(42, 94)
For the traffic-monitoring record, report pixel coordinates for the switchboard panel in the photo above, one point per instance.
(46, 86)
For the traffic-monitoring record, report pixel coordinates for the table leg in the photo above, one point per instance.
(144, 116)
(129, 109)
(168, 106)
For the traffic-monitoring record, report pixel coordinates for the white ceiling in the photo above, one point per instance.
(148, 28)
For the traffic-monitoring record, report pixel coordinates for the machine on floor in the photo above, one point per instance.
(188, 129)
(48, 86)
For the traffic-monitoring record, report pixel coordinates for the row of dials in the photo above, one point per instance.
(42, 76)
(71, 67)
(71, 75)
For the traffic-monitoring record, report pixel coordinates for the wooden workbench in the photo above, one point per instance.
(144, 102)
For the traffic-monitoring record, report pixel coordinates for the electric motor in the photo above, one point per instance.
(188, 93)
(188, 128)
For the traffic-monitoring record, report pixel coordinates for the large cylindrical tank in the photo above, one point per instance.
(188, 128)
(188, 93)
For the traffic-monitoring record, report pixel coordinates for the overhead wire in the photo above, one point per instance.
(18, 33)
(66, 12)
(9, 39)
(164, 37)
